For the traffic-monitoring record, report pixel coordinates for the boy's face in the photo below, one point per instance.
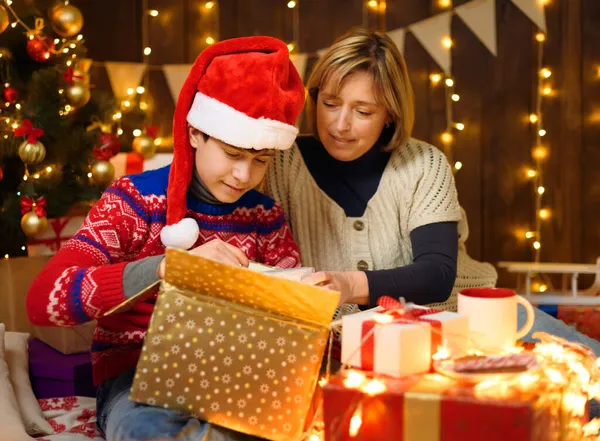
(228, 172)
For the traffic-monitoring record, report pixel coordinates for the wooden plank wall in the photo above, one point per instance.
(497, 95)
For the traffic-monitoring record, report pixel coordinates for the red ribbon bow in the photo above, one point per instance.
(28, 130)
(152, 130)
(38, 205)
(109, 147)
(69, 76)
(397, 310)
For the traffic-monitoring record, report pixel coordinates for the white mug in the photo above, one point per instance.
(492, 314)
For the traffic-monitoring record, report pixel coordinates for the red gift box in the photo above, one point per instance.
(435, 408)
(59, 231)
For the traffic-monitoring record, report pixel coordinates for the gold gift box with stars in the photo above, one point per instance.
(234, 347)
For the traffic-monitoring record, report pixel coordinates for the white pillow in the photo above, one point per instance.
(11, 425)
(17, 358)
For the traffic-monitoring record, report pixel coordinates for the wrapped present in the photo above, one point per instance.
(361, 406)
(133, 163)
(398, 342)
(55, 375)
(234, 347)
(67, 340)
(59, 230)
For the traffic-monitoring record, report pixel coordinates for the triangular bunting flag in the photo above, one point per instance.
(175, 75)
(480, 17)
(534, 9)
(432, 33)
(124, 76)
(299, 61)
(398, 36)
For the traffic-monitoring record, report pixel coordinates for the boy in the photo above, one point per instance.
(239, 103)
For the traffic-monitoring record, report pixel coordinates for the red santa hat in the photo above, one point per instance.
(244, 92)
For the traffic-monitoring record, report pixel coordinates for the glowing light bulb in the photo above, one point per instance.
(458, 165)
(137, 132)
(447, 137)
(533, 118)
(537, 245)
(153, 12)
(545, 73)
(435, 78)
(449, 82)
(529, 234)
(447, 42)
(542, 132)
(291, 4)
(544, 213)
(291, 47)
(372, 4)
(547, 91)
(459, 126)
(147, 51)
(210, 40)
(445, 3)
(140, 89)
(540, 37)
(455, 97)
(541, 190)
(540, 152)
(209, 5)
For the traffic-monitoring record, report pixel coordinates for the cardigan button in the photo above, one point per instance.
(362, 265)
(359, 225)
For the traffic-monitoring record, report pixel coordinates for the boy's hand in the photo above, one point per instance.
(215, 250)
(221, 252)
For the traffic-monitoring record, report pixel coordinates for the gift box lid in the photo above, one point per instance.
(46, 362)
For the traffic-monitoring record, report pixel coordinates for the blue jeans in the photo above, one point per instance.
(546, 323)
(122, 420)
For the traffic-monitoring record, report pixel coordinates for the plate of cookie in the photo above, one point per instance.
(477, 368)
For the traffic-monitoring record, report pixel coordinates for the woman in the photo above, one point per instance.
(372, 208)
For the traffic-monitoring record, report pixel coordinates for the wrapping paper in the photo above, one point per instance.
(234, 347)
(432, 407)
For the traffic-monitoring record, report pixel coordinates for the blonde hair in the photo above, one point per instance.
(373, 52)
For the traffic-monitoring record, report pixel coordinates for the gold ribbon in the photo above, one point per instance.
(422, 412)
(37, 29)
(98, 124)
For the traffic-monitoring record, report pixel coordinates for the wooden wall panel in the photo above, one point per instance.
(496, 99)
(589, 164)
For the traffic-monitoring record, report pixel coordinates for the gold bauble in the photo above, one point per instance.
(144, 145)
(32, 225)
(32, 153)
(5, 54)
(78, 94)
(4, 21)
(103, 173)
(66, 20)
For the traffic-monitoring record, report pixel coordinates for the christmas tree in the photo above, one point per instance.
(56, 131)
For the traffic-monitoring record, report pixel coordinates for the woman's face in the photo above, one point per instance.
(350, 122)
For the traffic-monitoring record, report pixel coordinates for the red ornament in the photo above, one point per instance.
(10, 95)
(108, 147)
(1, 173)
(40, 48)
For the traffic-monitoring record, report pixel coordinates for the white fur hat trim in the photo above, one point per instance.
(183, 234)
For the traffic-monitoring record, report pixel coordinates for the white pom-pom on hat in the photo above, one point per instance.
(183, 234)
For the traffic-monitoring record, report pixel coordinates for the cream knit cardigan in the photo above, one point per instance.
(417, 188)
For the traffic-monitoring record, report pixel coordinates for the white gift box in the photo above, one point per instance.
(404, 347)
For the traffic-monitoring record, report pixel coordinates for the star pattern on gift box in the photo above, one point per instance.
(245, 370)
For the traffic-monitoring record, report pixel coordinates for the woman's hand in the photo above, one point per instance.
(215, 250)
(352, 285)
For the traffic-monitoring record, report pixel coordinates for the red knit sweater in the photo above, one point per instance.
(84, 279)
